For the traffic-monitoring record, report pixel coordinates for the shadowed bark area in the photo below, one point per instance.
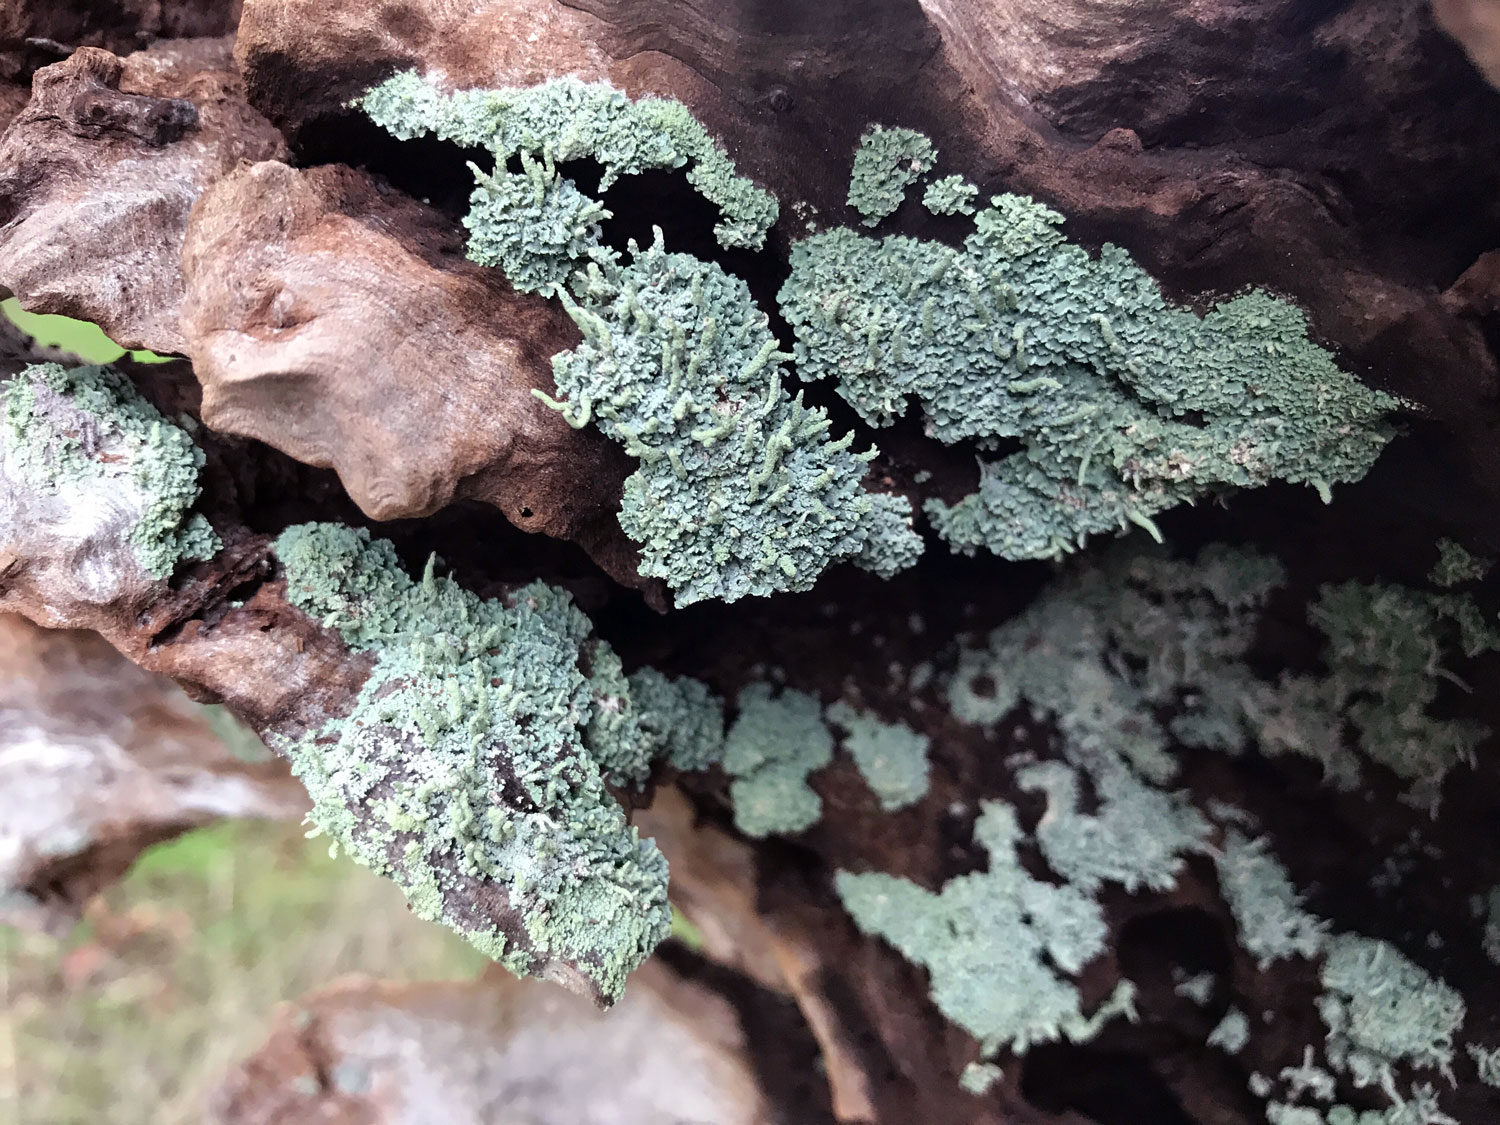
(220, 200)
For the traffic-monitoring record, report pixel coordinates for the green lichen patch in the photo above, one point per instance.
(1382, 1010)
(740, 491)
(1385, 651)
(64, 427)
(1127, 405)
(1231, 1033)
(534, 224)
(891, 756)
(1138, 837)
(1000, 946)
(951, 195)
(1486, 1063)
(1267, 908)
(469, 769)
(776, 742)
(1114, 646)
(887, 162)
(681, 717)
(1456, 566)
(1489, 908)
(978, 1078)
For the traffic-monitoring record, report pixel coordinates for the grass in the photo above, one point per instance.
(85, 340)
(173, 974)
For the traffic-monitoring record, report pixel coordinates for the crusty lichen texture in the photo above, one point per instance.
(741, 490)
(1114, 643)
(887, 162)
(776, 742)
(85, 438)
(1001, 946)
(891, 756)
(536, 224)
(465, 771)
(1126, 405)
(1137, 660)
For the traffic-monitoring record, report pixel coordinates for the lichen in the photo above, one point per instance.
(891, 756)
(776, 742)
(1137, 838)
(950, 195)
(740, 491)
(534, 223)
(1267, 909)
(1491, 939)
(1109, 648)
(1127, 405)
(1486, 1063)
(464, 771)
(887, 162)
(1382, 1010)
(891, 545)
(681, 717)
(1000, 945)
(1308, 1079)
(1456, 566)
(1197, 987)
(1384, 652)
(978, 1078)
(1231, 1033)
(1379, 1009)
(64, 426)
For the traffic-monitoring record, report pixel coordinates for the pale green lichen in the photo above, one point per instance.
(681, 717)
(740, 491)
(1385, 651)
(535, 227)
(1141, 634)
(1231, 1033)
(1138, 836)
(891, 756)
(1127, 405)
(1382, 1010)
(1000, 945)
(82, 424)
(776, 742)
(1308, 1079)
(464, 771)
(1197, 987)
(535, 224)
(1098, 657)
(1420, 1110)
(887, 162)
(979, 1078)
(951, 195)
(891, 544)
(1456, 566)
(1486, 1063)
(1267, 909)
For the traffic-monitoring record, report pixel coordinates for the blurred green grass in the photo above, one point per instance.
(85, 340)
(173, 975)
